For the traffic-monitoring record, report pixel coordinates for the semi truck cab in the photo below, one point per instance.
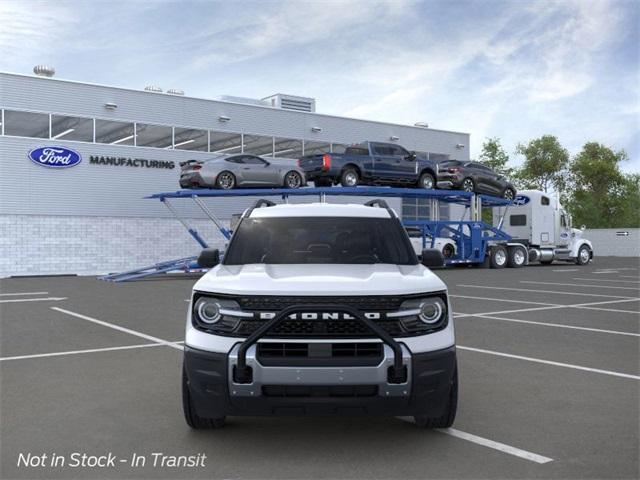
(538, 221)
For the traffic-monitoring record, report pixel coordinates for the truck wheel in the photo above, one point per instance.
(427, 181)
(190, 416)
(499, 257)
(584, 255)
(226, 180)
(449, 415)
(517, 257)
(349, 178)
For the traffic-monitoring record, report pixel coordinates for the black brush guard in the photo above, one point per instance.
(243, 373)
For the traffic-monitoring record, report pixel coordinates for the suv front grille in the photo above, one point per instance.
(372, 304)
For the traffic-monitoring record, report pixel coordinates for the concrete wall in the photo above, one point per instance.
(610, 242)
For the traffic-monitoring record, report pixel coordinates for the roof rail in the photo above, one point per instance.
(259, 203)
(382, 204)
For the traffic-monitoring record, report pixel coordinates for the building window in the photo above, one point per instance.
(26, 124)
(114, 133)
(225, 142)
(71, 128)
(287, 148)
(157, 136)
(314, 148)
(190, 139)
(258, 145)
(415, 209)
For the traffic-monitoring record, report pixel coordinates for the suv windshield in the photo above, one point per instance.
(294, 240)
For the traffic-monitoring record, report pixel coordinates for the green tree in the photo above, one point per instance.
(545, 164)
(494, 156)
(600, 195)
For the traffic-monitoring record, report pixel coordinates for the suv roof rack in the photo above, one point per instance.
(259, 203)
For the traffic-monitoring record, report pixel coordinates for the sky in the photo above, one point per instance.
(509, 69)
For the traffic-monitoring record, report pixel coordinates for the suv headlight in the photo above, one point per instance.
(215, 315)
(424, 314)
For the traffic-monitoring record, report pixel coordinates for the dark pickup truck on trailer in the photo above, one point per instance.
(371, 163)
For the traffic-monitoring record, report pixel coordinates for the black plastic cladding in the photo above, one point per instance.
(320, 328)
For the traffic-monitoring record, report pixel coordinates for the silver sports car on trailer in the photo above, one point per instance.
(241, 170)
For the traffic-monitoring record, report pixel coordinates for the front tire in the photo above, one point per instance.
(584, 255)
(293, 180)
(499, 257)
(448, 251)
(509, 194)
(468, 185)
(427, 181)
(349, 178)
(226, 180)
(449, 415)
(191, 417)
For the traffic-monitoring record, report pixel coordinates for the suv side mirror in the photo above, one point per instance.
(432, 257)
(209, 258)
(412, 156)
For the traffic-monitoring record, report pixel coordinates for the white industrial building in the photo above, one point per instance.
(93, 218)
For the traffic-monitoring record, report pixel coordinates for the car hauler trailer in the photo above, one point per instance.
(474, 241)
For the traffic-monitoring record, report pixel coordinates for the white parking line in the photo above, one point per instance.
(485, 442)
(20, 300)
(567, 270)
(628, 276)
(505, 300)
(549, 362)
(557, 325)
(604, 280)
(581, 285)
(529, 290)
(23, 293)
(118, 327)
(588, 306)
(77, 352)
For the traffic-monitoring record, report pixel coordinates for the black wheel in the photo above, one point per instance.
(322, 182)
(517, 257)
(584, 255)
(508, 194)
(349, 178)
(190, 416)
(448, 251)
(498, 257)
(226, 180)
(293, 179)
(449, 415)
(468, 185)
(427, 181)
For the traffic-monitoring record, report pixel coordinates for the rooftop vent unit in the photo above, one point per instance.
(44, 71)
(175, 91)
(291, 102)
(153, 88)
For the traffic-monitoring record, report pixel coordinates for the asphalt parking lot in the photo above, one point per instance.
(549, 369)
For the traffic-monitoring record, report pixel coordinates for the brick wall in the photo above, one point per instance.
(45, 245)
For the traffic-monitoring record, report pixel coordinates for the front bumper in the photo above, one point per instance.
(335, 390)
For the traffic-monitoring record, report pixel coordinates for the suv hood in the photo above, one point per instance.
(320, 280)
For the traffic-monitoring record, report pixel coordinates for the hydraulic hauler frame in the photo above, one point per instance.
(472, 236)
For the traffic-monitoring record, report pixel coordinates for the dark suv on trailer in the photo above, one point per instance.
(474, 177)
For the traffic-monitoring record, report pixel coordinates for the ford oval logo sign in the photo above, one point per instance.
(55, 157)
(521, 200)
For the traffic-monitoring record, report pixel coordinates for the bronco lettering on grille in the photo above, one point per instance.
(320, 316)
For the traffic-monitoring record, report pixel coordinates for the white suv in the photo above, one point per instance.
(319, 309)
